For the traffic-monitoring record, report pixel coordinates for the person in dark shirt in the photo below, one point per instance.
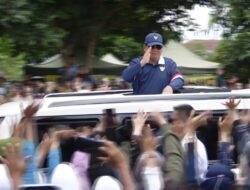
(220, 78)
(152, 73)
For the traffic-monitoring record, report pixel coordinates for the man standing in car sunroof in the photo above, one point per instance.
(153, 73)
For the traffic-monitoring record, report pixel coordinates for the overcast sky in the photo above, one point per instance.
(201, 17)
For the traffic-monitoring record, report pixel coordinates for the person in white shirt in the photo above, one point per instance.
(180, 121)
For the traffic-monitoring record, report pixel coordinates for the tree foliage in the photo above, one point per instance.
(43, 27)
(31, 28)
(125, 48)
(234, 52)
(11, 66)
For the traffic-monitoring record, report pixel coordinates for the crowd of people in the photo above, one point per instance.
(163, 154)
(38, 87)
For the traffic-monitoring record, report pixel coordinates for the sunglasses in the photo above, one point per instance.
(156, 47)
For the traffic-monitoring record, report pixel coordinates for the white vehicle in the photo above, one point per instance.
(74, 109)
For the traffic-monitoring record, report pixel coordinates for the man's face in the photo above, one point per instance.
(155, 53)
(178, 124)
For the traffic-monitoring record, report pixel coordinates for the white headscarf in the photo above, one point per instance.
(5, 180)
(65, 177)
(107, 182)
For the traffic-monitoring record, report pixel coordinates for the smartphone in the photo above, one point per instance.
(39, 187)
(109, 117)
(88, 145)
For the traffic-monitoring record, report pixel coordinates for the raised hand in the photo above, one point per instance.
(30, 110)
(65, 134)
(231, 104)
(225, 126)
(195, 121)
(158, 118)
(57, 136)
(115, 157)
(138, 122)
(15, 163)
(146, 57)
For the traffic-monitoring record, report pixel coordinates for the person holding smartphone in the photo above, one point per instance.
(153, 73)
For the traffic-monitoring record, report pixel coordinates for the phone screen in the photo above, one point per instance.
(87, 145)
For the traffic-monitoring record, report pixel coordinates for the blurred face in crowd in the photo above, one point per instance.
(238, 86)
(76, 84)
(155, 53)
(220, 71)
(178, 121)
(27, 91)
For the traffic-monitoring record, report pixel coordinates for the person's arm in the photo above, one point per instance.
(233, 124)
(54, 155)
(132, 70)
(173, 151)
(15, 163)
(190, 164)
(138, 122)
(196, 151)
(176, 80)
(117, 159)
(29, 131)
(225, 126)
(174, 155)
(43, 149)
(135, 149)
(129, 74)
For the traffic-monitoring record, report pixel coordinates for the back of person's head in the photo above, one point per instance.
(184, 110)
(5, 183)
(65, 177)
(107, 182)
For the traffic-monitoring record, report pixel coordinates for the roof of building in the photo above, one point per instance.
(209, 45)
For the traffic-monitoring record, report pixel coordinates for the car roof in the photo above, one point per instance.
(60, 104)
(94, 104)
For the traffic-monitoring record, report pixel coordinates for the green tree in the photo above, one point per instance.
(88, 21)
(234, 52)
(125, 48)
(11, 66)
(41, 28)
(31, 28)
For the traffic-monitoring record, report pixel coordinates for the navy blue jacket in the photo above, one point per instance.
(152, 79)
